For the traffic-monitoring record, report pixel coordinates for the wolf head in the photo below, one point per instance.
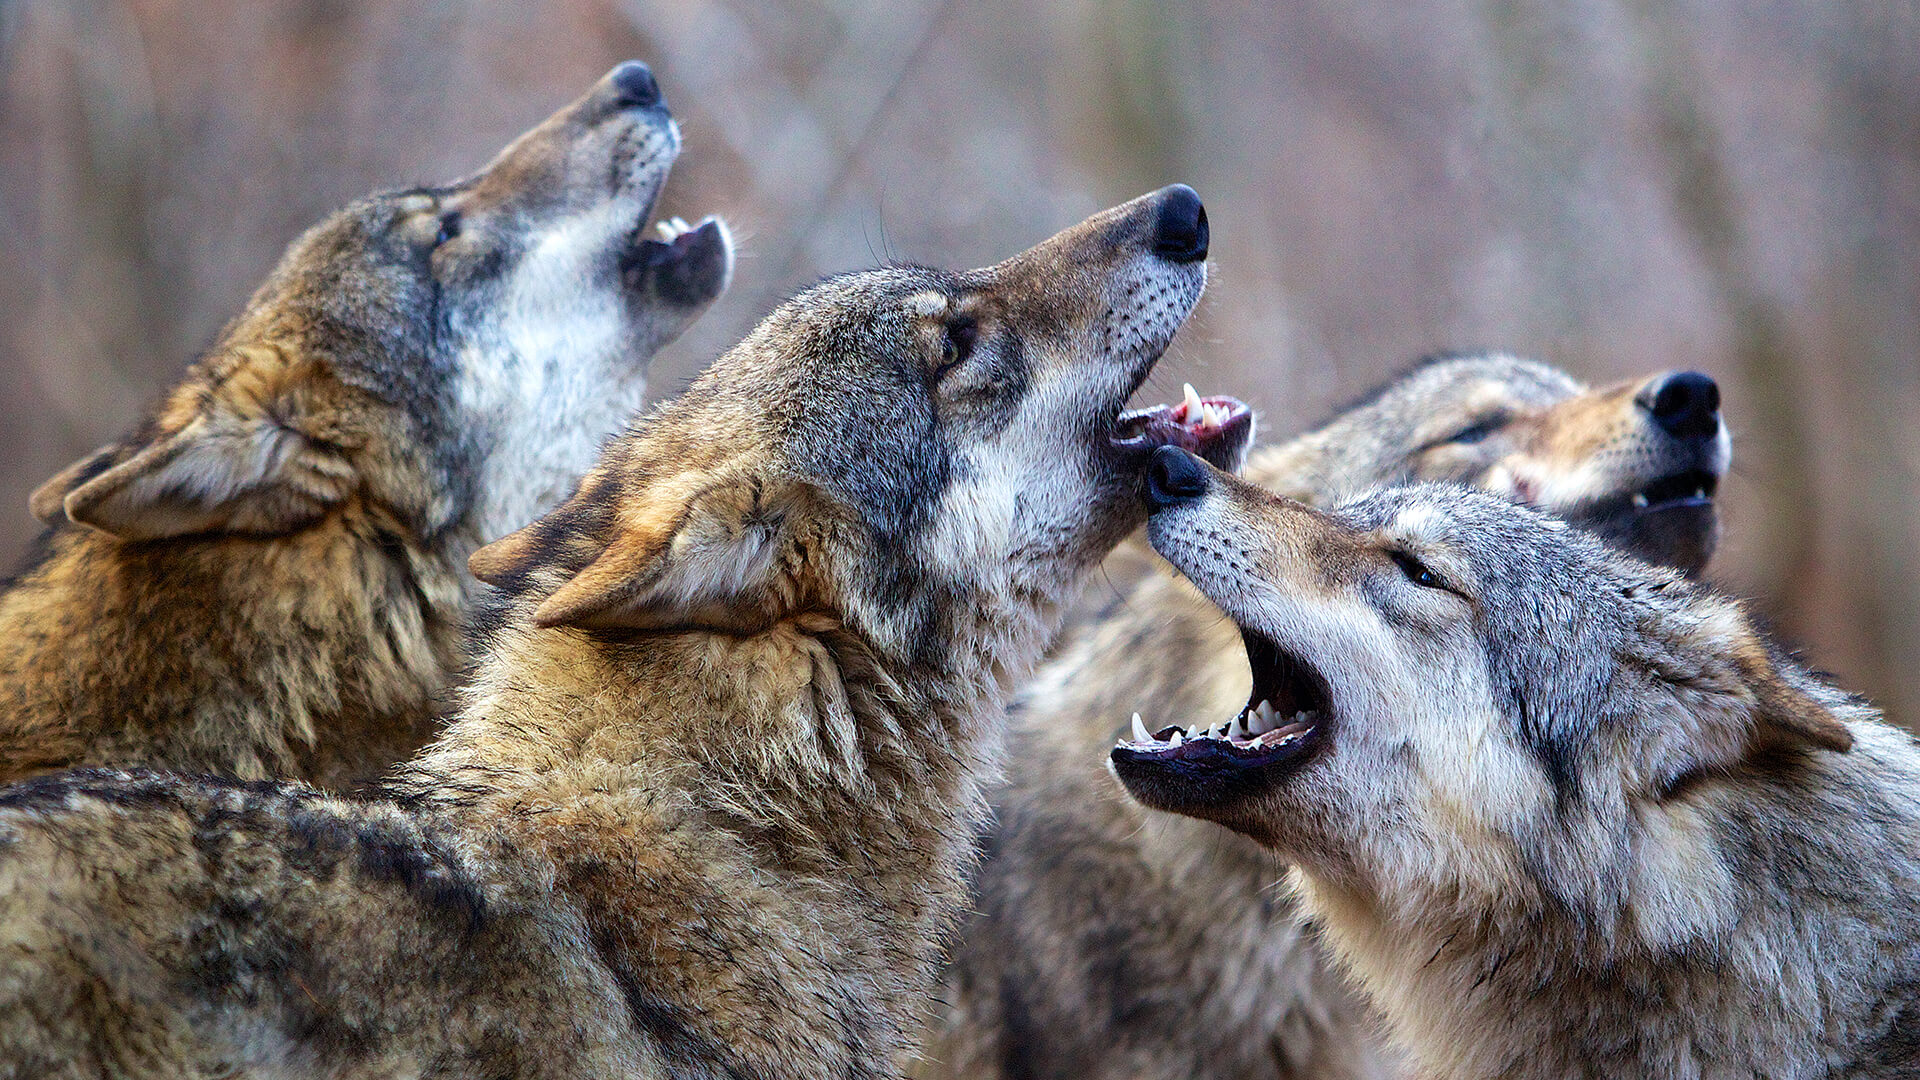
(1636, 463)
(896, 448)
(1455, 696)
(452, 354)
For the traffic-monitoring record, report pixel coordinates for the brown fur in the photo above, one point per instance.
(715, 788)
(265, 579)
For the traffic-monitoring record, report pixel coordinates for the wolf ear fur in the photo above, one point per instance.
(1781, 713)
(1786, 716)
(687, 551)
(219, 473)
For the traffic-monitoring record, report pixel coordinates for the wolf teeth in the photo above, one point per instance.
(1195, 408)
(1140, 732)
(1639, 500)
(1238, 729)
(1176, 738)
(671, 228)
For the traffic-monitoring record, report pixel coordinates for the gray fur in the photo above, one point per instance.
(1561, 813)
(1100, 923)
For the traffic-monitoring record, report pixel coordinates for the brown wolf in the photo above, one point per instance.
(266, 578)
(1560, 812)
(1098, 921)
(715, 788)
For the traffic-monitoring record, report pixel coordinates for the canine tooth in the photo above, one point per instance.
(1639, 501)
(1140, 732)
(1191, 400)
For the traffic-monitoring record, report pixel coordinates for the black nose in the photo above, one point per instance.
(1686, 404)
(635, 84)
(1180, 232)
(1175, 476)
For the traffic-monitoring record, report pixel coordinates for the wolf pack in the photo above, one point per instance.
(405, 696)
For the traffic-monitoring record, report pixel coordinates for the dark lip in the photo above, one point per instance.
(1279, 676)
(645, 251)
(1139, 431)
(1686, 489)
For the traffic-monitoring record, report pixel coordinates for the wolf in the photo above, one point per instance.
(266, 577)
(1560, 812)
(1096, 920)
(714, 790)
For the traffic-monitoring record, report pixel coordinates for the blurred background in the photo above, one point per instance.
(1614, 187)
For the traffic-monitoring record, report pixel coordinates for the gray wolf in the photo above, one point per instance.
(1097, 919)
(1559, 812)
(266, 577)
(715, 787)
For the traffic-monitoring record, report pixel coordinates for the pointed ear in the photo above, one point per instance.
(691, 550)
(1786, 715)
(1748, 699)
(218, 473)
(49, 499)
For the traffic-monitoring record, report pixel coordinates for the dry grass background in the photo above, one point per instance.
(1616, 187)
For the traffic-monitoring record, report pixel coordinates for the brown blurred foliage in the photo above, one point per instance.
(1617, 187)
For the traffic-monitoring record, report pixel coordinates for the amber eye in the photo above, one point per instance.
(1417, 571)
(449, 227)
(956, 345)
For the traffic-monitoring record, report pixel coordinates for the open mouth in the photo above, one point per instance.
(688, 263)
(1284, 722)
(1216, 428)
(1695, 487)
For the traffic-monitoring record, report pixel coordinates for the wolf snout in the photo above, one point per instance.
(1175, 476)
(634, 86)
(1180, 226)
(1686, 404)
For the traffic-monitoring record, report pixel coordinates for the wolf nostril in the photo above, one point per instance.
(1175, 476)
(1686, 404)
(635, 84)
(1180, 229)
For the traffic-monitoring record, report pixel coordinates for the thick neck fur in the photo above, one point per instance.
(317, 655)
(828, 788)
(1787, 945)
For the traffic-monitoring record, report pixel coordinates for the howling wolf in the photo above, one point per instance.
(714, 791)
(1096, 917)
(266, 577)
(1560, 812)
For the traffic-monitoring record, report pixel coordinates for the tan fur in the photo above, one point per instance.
(706, 818)
(266, 578)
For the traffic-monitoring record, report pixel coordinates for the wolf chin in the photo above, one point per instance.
(265, 578)
(1559, 812)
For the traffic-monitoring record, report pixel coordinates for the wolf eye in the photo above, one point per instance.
(1417, 571)
(1477, 431)
(956, 345)
(449, 227)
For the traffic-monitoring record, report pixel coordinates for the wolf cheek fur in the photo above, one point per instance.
(266, 577)
(1561, 813)
(714, 790)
